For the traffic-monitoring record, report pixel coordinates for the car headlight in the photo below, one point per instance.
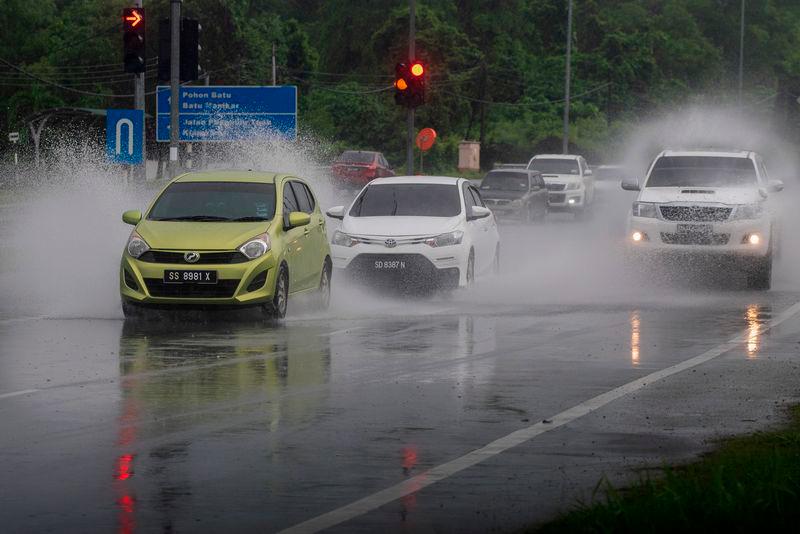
(256, 247)
(136, 245)
(748, 211)
(344, 240)
(573, 186)
(445, 240)
(645, 209)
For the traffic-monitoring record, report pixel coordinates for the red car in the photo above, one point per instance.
(355, 168)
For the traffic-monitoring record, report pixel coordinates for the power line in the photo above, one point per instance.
(527, 104)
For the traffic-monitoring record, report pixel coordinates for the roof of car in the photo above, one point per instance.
(709, 153)
(230, 176)
(557, 156)
(416, 180)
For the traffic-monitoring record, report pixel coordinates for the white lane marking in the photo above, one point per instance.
(17, 393)
(445, 470)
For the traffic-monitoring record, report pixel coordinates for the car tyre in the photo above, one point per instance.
(324, 291)
(280, 300)
(496, 262)
(760, 277)
(471, 269)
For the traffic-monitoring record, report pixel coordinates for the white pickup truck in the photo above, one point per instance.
(569, 180)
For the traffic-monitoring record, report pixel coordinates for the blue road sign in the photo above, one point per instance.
(124, 136)
(229, 113)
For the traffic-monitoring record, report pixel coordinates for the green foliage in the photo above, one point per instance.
(750, 484)
(496, 66)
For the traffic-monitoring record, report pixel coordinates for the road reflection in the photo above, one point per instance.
(180, 386)
(755, 316)
(636, 324)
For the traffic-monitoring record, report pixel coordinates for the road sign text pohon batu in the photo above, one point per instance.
(229, 113)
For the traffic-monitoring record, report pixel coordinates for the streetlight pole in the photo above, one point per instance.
(567, 76)
(175, 75)
(741, 53)
(411, 53)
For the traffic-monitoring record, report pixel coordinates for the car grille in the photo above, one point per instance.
(695, 213)
(557, 198)
(206, 258)
(222, 289)
(556, 187)
(695, 238)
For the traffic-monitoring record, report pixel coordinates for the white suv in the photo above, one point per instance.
(707, 202)
(569, 180)
(411, 232)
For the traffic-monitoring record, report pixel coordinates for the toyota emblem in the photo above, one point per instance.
(191, 257)
(390, 243)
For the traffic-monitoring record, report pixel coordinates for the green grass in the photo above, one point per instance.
(749, 484)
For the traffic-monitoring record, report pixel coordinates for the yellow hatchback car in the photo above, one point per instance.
(226, 238)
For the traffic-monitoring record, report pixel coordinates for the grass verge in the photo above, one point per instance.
(749, 484)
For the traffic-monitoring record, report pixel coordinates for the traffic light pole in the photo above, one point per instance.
(138, 103)
(411, 53)
(175, 74)
(567, 76)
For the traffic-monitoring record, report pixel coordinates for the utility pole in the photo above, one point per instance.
(175, 74)
(274, 76)
(567, 76)
(741, 53)
(411, 53)
(138, 103)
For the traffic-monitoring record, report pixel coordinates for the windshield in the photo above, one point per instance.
(215, 201)
(421, 200)
(554, 166)
(505, 181)
(352, 156)
(702, 171)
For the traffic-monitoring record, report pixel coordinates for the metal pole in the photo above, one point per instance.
(567, 76)
(741, 53)
(175, 74)
(411, 53)
(274, 77)
(138, 103)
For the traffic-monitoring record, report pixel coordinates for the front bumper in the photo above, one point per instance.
(141, 283)
(566, 200)
(409, 266)
(724, 238)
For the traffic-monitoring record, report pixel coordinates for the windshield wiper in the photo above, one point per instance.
(249, 219)
(194, 218)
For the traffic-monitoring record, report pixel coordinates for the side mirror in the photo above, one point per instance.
(336, 212)
(630, 185)
(298, 218)
(774, 186)
(478, 212)
(132, 217)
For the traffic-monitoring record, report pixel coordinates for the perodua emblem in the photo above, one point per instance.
(390, 243)
(191, 257)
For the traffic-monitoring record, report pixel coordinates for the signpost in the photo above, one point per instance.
(228, 113)
(425, 139)
(125, 136)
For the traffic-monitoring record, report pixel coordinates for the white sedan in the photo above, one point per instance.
(416, 231)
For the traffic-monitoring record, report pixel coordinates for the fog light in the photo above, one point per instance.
(638, 236)
(571, 201)
(753, 239)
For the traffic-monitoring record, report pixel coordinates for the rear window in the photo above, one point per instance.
(505, 181)
(554, 166)
(352, 156)
(403, 200)
(702, 171)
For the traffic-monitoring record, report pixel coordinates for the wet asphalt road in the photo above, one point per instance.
(208, 422)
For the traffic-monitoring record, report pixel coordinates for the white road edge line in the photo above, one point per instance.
(445, 470)
(17, 393)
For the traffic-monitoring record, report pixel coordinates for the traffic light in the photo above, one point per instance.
(409, 84)
(190, 50)
(133, 49)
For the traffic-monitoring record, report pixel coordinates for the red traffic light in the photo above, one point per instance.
(132, 17)
(417, 69)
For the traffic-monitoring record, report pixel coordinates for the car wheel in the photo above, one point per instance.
(324, 292)
(280, 301)
(496, 263)
(471, 269)
(760, 277)
(542, 213)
